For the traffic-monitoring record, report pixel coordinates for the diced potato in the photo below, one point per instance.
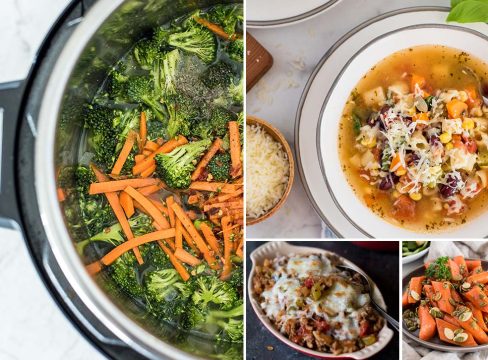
(440, 71)
(374, 97)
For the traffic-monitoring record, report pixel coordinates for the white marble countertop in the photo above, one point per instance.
(296, 50)
(32, 326)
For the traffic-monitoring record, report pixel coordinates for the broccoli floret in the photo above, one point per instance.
(116, 84)
(175, 168)
(195, 40)
(140, 89)
(235, 50)
(236, 91)
(229, 17)
(218, 75)
(160, 283)
(124, 123)
(164, 72)
(123, 273)
(201, 129)
(145, 52)
(177, 124)
(233, 329)
(209, 289)
(219, 167)
(219, 119)
(237, 278)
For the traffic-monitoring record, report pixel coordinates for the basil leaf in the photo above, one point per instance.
(469, 11)
(356, 123)
(454, 3)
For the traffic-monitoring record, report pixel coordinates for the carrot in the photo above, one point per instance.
(176, 263)
(160, 206)
(143, 130)
(444, 291)
(235, 149)
(405, 299)
(478, 315)
(456, 108)
(451, 320)
(188, 239)
(169, 202)
(473, 98)
(225, 197)
(61, 194)
(455, 272)
(216, 145)
(227, 249)
(477, 297)
(429, 292)
(121, 249)
(455, 296)
(148, 206)
(146, 152)
(186, 257)
(216, 29)
(480, 278)
(139, 157)
(124, 154)
(442, 325)
(472, 327)
(165, 148)
(427, 323)
(200, 243)
(148, 190)
(225, 205)
(415, 289)
(149, 171)
(417, 81)
(193, 199)
(127, 204)
(179, 235)
(156, 226)
(471, 264)
(239, 251)
(151, 145)
(119, 185)
(215, 187)
(476, 270)
(463, 268)
(118, 210)
(210, 237)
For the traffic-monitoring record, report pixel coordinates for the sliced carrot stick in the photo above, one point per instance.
(239, 251)
(427, 323)
(156, 226)
(225, 205)
(216, 29)
(216, 145)
(455, 296)
(165, 148)
(148, 206)
(478, 298)
(151, 189)
(480, 278)
(189, 240)
(476, 270)
(169, 202)
(124, 154)
(61, 194)
(146, 153)
(478, 315)
(151, 145)
(121, 249)
(119, 185)
(176, 263)
(235, 149)
(199, 242)
(227, 249)
(160, 206)
(114, 202)
(455, 272)
(225, 197)
(472, 327)
(193, 199)
(127, 204)
(451, 320)
(442, 325)
(429, 293)
(211, 239)
(471, 264)
(149, 171)
(215, 187)
(186, 257)
(415, 289)
(179, 234)
(405, 299)
(139, 157)
(463, 268)
(143, 130)
(444, 291)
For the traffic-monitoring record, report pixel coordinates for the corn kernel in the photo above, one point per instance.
(369, 143)
(396, 194)
(401, 171)
(449, 146)
(415, 196)
(468, 124)
(445, 138)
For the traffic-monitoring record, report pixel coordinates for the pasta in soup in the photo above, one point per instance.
(420, 134)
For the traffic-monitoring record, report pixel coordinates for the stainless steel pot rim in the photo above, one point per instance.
(64, 251)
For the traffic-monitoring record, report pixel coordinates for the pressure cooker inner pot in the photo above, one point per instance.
(131, 21)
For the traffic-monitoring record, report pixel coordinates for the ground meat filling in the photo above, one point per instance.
(304, 303)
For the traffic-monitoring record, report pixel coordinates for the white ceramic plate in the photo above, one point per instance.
(273, 13)
(275, 249)
(322, 103)
(412, 258)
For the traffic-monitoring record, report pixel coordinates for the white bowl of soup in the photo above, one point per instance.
(409, 154)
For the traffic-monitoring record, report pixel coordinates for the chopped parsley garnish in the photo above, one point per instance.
(439, 269)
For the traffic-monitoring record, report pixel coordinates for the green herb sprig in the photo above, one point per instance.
(468, 11)
(439, 269)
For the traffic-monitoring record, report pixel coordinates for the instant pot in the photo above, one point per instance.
(40, 133)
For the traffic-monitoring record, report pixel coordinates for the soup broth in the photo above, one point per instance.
(420, 135)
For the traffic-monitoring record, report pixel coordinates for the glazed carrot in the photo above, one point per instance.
(159, 205)
(124, 154)
(151, 189)
(179, 234)
(455, 295)
(238, 204)
(148, 206)
(121, 249)
(417, 81)
(455, 272)
(210, 237)
(139, 157)
(478, 315)
(472, 327)
(476, 270)
(444, 291)
(119, 185)
(149, 171)
(463, 268)
(143, 130)
(456, 108)
(427, 323)
(186, 257)
(151, 145)
(156, 226)
(114, 202)
(405, 299)
(480, 278)
(61, 194)
(215, 187)
(216, 29)
(471, 264)
(127, 204)
(477, 297)
(216, 145)
(165, 148)
(176, 263)
(235, 149)
(193, 199)
(429, 292)
(225, 197)
(200, 243)
(442, 325)
(146, 152)
(227, 249)
(415, 289)
(192, 215)
(189, 240)
(451, 320)
(169, 202)
(473, 98)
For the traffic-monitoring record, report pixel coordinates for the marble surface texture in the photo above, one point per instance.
(296, 50)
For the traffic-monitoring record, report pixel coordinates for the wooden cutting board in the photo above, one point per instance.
(258, 61)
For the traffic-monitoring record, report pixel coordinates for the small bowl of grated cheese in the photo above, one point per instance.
(269, 170)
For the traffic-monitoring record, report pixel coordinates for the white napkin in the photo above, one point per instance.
(469, 249)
